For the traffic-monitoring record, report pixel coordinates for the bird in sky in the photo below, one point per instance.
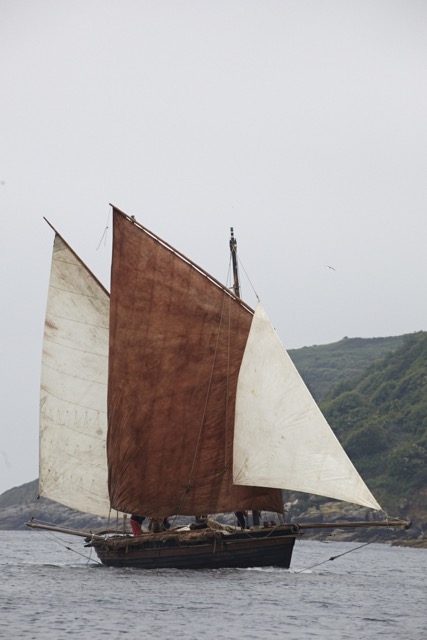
(329, 267)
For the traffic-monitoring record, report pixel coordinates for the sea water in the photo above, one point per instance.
(52, 588)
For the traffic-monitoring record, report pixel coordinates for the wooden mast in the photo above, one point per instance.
(236, 288)
(233, 251)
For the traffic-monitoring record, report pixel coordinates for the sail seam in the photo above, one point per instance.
(75, 404)
(87, 462)
(68, 428)
(81, 294)
(66, 346)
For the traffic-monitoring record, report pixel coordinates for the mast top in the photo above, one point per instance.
(233, 250)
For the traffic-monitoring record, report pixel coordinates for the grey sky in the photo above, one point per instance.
(300, 123)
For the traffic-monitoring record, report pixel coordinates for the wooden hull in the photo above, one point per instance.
(261, 548)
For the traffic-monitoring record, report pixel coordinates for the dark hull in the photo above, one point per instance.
(261, 548)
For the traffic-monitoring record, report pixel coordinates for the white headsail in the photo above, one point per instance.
(73, 403)
(281, 438)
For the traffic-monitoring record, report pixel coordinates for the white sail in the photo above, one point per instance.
(281, 438)
(73, 403)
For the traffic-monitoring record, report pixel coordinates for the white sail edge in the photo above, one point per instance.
(73, 398)
(281, 438)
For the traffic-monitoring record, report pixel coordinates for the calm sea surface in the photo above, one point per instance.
(48, 591)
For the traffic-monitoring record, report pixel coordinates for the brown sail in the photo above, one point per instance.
(176, 343)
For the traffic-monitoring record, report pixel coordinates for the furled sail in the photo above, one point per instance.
(73, 403)
(177, 339)
(281, 437)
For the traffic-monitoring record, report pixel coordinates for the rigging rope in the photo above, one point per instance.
(62, 543)
(104, 235)
(333, 557)
(249, 280)
(88, 558)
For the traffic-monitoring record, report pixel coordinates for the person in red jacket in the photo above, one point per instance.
(135, 523)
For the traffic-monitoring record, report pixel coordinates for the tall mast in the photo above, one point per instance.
(233, 250)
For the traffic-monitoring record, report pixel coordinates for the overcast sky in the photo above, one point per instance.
(300, 123)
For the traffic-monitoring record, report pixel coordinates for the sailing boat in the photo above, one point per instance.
(173, 397)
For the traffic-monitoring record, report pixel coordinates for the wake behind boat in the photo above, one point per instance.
(173, 397)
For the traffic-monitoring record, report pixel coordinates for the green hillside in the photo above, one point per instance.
(322, 367)
(380, 416)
